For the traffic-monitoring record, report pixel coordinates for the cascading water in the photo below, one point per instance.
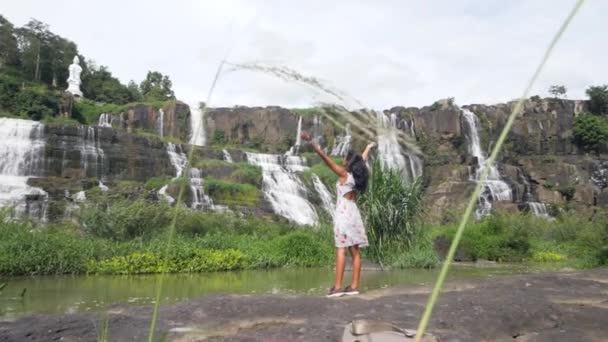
(296, 148)
(537, 208)
(495, 188)
(342, 143)
(282, 188)
(199, 199)
(21, 157)
(161, 123)
(329, 203)
(197, 126)
(91, 154)
(391, 155)
(195, 181)
(227, 156)
(105, 120)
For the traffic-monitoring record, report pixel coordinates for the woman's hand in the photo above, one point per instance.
(305, 136)
(371, 145)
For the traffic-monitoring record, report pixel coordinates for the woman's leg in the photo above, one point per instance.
(340, 264)
(355, 253)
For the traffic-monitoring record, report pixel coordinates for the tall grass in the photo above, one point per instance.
(392, 210)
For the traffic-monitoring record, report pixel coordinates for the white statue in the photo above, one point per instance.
(74, 79)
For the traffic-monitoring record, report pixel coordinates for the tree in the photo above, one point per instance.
(598, 99)
(557, 91)
(98, 84)
(590, 131)
(157, 87)
(9, 51)
(134, 91)
(33, 41)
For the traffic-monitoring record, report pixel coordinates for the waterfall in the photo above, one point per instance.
(103, 187)
(495, 188)
(391, 155)
(199, 199)
(227, 156)
(195, 181)
(282, 188)
(539, 209)
(197, 126)
(296, 148)
(105, 120)
(21, 157)
(342, 143)
(91, 154)
(80, 196)
(599, 174)
(329, 204)
(161, 122)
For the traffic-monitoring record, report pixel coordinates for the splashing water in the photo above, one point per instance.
(282, 188)
(495, 188)
(290, 75)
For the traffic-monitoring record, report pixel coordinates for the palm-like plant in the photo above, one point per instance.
(391, 209)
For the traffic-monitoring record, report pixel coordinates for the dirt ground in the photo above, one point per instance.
(562, 306)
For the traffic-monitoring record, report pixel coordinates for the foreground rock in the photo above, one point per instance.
(568, 306)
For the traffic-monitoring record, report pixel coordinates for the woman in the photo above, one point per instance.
(349, 231)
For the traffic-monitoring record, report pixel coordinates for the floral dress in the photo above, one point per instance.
(348, 224)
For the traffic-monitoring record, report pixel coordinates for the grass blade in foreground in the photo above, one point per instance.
(467, 214)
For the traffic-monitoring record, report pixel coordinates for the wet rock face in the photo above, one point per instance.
(99, 152)
(273, 127)
(172, 120)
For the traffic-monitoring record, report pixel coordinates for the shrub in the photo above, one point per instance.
(123, 220)
(590, 132)
(219, 137)
(88, 112)
(156, 183)
(391, 209)
(247, 173)
(231, 193)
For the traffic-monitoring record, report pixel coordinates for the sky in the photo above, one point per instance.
(377, 54)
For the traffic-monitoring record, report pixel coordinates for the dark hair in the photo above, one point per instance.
(356, 166)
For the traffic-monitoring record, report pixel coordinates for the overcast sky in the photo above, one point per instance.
(382, 53)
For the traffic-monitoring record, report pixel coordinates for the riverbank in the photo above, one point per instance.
(559, 306)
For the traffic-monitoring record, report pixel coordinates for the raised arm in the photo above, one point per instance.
(365, 154)
(337, 169)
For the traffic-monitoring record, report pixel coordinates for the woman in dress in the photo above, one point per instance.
(349, 231)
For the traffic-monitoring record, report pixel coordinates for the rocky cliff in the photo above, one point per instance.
(131, 152)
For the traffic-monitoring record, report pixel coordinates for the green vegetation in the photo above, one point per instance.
(590, 132)
(571, 240)
(156, 183)
(205, 242)
(598, 99)
(34, 66)
(392, 211)
(558, 91)
(230, 193)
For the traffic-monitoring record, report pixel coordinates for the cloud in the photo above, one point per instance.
(383, 53)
